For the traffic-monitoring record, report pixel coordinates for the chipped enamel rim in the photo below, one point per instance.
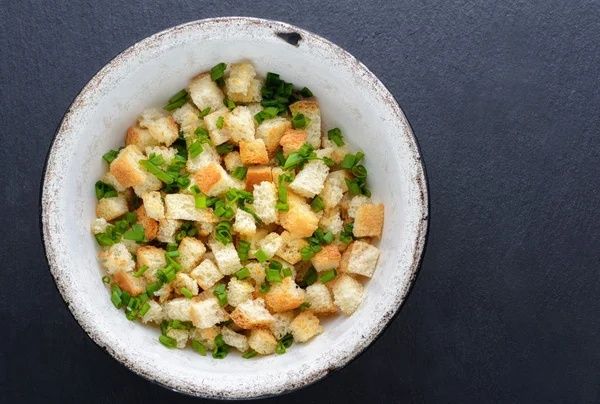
(272, 380)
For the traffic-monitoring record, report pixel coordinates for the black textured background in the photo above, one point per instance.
(503, 97)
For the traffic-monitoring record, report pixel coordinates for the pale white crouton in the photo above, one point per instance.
(205, 92)
(155, 208)
(356, 203)
(369, 221)
(183, 207)
(99, 226)
(167, 153)
(253, 152)
(328, 258)
(254, 240)
(130, 283)
(213, 180)
(254, 109)
(207, 156)
(191, 252)
(262, 341)
(180, 336)
(153, 258)
(239, 125)
(232, 161)
(281, 326)
(300, 220)
(185, 281)
(290, 247)
(271, 131)
(265, 199)
(240, 78)
(112, 208)
(186, 117)
(206, 274)
(132, 246)
(154, 314)
(167, 228)
(206, 313)
(360, 258)
(332, 221)
(257, 271)
(311, 110)
(252, 314)
(232, 338)
(178, 309)
(338, 152)
(319, 297)
(226, 257)
(151, 183)
(333, 189)
(244, 223)
(109, 178)
(206, 336)
(305, 326)
(347, 294)
(271, 244)
(238, 291)
(164, 293)
(217, 136)
(140, 138)
(253, 95)
(310, 181)
(284, 296)
(162, 128)
(204, 228)
(117, 259)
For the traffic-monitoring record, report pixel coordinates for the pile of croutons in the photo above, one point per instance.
(232, 220)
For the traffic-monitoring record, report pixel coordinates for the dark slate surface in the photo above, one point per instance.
(503, 96)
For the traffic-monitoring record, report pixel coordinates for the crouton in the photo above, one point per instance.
(191, 252)
(257, 271)
(183, 207)
(254, 239)
(112, 208)
(150, 225)
(284, 296)
(153, 258)
(347, 294)
(311, 180)
(167, 153)
(320, 299)
(130, 283)
(265, 199)
(226, 257)
(154, 313)
(305, 326)
(207, 156)
(164, 293)
(290, 247)
(338, 152)
(109, 178)
(360, 258)
(204, 228)
(331, 221)
(333, 189)
(206, 274)
(151, 183)
(253, 95)
(270, 244)
(281, 326)
(126, 167)
(355, 203)
(311, 110)
(254, 152)
(185, 281)
(186, 117)
(368, 221)
(328, 258)
(206, 313)
(140, 138)
(256, 175)
(217, 135)
(117, 259)
(178, 309)
(244, 223)
(167, 229)
(213, 180)
(155, 208)
(232, 161)
(252, 314)
(206, 336)
(262, 341)
(292, 141)
(241, 85)
(162, 128)
(239, 125)
(180, 337)
(205, 92)
(271, 131)
(232, 338)
(300, 220)
(99, 226)
(238, 291)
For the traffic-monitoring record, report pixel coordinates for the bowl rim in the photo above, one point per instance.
(422, 179)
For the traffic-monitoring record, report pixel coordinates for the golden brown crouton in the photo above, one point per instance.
(284, 296)
(140, 137)
(126, 167)
(252, 314)
(360, 258)
(311, 110)
(305, 326)
(271, 131)
(256, 175)
(262, 341)
(150, 225)
(290, 249)
(300, 220)
(328, 258)
(292, 140)
(212, 179)
(369, 221)
(254, 152)
(130, 283)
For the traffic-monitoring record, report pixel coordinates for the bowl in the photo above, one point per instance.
(147, 74)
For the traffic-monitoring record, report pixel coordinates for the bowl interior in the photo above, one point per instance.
(147, 74)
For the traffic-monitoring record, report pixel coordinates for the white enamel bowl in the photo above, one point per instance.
(147, 74)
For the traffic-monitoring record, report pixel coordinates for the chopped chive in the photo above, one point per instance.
(287, 272)
(104, 190)
(273, 79)
(359, 171)
(160, 174)
(217, 71)
(130, 314)
(329, 237)
(115, 288)
(261, 255)
(305, 306)
(243, 250)
(328, 162)
(136, 234)
(186, 293)
(310, 277)
(242, 273)
(265, 287)
(220, 122)
(240, 173)
(178, 96)
(329, 275)
(280, 158)
(300, 121)
(172, 254)
(335, 135)
(352, 186)
(307, 253)
(284, 207)
(250, 354)
(195, 149)
(104, 240)
(125, 296)
(276, 265)
(175, 105)
(273, 275)
(284, 343)
(143, 297)
(141, 271)
(349, 161)
(305, 92)
(345, 239)
(131, 217)
(116, 300)
(110, 156)
(258, 118)
(225, 148)
(198, 347)
(106, 279)
(172, 246)
(153, 287)
(204, 112)
(228, 103)
(134, 303)
(144, 309)
(221, 294)
(167, 341)
(317, 204)
(282, 194)
(223, 232)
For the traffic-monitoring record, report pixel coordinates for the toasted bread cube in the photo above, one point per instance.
(154, 314)
(178, 309)
(191, 252)
(207, 156)
(255, 108)
(155, 208)
(151, 183)
(338, 152)
(183, 207)
(162, 128)
(281, 326)
(112, 208)
(207, 313)
(238, 291)
(305, 326)
(226, 257)
(140, 138)
(232, 161)
(244, 223)
(256, 175)
(153, 258)
(206, 336)
(217, 136)
(284, 296)
(241, 85)
(239, 123)
(355, 203)
(333, 189)
(257, 272)
(130, 283)
(183, 280)
(270, 244)
(254, 94)
(254, 152)
(328, 258)
(205, 92)
(292, 141)
(271, 131)
(311, 110)
(167, 229)
(186, 117)
(299, 220)
(164, 294)
(206, 274)
(167, 153)
(265, 199)
(109, 178)
(369, 221)
(150, 225)
(262, 341)
(213, 180)
(360, 258)
(332, 221)
(232, 338)
(320, 299)
(347, 294)
(117, 259)
(290, 247)
(180, 336)
(99, 226)
(311, 180)
(126, 168)
(254, 240)
(252, 314)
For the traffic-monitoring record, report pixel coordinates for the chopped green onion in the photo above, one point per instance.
(172, 254)
(228, 103)
(276, 265)
(141, 271)
(136, 234)
(329, 237)
(217, 71)
(106, 279)
(284, 343)
(144, 309)
(153, 287)
(195, 149)
(143, 297)
(240, 173)
(243, 250)
(282, 194)
(307, 253)
(167, 341)
(317, 204)
(329, 275)
(316, 248)
(305, 92)
(221, 294)
(335, 135)
(265, 288)
(220, 122)
(310, 277)
(186, 293)
(178, 96)
(172, 246)
(173, 263)
(305, 306)
(225, 148)
(104, 240)
(204, 112)
(131, 314)
(110, 156)
(349, 162)
(328, 162)
(258, 118)
(131, 217)
(359, 171)
(300, 121)
(175, 105)
(116, 300)
(273, 79)
(242, 273)
(273, 275)
(359, 157)
(284, 207)
(104, 190)
(160, 174)
(198, 347)
(223, 232)
(134, 303)
(115, 288)
(280, 158)
(261, 255)
(125, 296)
(353, 186)
(345, 239)
(250, 354)
(287, 272)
